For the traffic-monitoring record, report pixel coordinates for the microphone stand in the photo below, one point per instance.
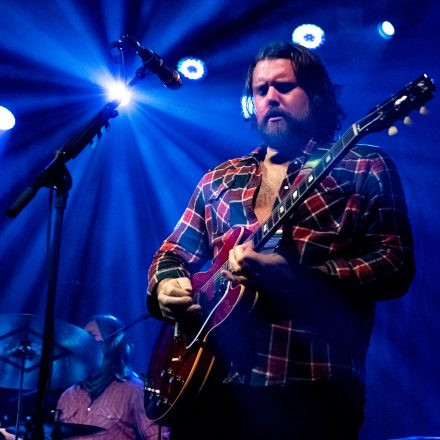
(56, 176)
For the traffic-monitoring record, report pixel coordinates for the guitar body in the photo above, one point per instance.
(183, 361)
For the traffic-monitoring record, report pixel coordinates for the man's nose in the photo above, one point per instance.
(272, 96)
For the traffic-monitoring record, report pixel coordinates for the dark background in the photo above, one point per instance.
(131, 187)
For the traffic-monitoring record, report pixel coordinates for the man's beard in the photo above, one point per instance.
(287, 134)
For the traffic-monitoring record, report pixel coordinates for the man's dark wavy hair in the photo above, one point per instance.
(313, 77)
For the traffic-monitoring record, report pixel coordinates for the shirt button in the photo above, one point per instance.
(286, 187)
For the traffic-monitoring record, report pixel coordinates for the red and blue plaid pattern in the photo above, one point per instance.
(352, 232)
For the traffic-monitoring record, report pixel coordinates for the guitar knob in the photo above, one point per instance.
(423, 110)
(392, 130)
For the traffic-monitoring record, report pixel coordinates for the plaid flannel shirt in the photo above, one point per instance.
(351, 234)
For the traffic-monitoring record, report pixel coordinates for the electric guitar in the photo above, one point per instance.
(185, 354)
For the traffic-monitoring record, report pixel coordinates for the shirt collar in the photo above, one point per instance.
(259, 153)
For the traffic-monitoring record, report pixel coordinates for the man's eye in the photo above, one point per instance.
(285, 87)
(262, 90)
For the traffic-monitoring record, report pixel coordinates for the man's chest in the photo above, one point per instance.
(268, 191)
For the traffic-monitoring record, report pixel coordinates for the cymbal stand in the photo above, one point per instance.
(23, 351)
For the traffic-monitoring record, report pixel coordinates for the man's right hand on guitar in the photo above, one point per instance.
(175, 298)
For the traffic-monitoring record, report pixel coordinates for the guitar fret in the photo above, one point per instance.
(270, 222)
(255, 239)
(319, 168)
(302, 187)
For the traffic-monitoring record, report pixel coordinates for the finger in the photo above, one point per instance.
(180, 313)
(241, 253)
(175, 304)
(233, 264)
(234, 278)
(173, 289)
(244, 252)
(248, 246)
(176, 301)
(176, 292)
(184, 283)
(194, 308)
(167, 315)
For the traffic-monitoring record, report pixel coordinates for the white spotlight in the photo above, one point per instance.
(118, 90)
(386, 30)
(308, 35)
(7, 120)
(247, 107)
(192, 68)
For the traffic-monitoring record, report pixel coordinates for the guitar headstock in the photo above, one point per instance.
(413, 96)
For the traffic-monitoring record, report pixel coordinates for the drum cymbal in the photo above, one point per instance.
(76, 354)
(60, 430)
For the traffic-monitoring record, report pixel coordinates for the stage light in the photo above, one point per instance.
(192, 68)
(7, 120)
(308, 35)
(118, 90)
(386, 30)
(247, 107)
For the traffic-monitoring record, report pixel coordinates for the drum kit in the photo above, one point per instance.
(75, 356)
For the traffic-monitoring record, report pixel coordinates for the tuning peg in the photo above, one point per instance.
(407, 120)
(423, 110)
(392, 130)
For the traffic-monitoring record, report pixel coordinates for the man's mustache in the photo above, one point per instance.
(274, 114)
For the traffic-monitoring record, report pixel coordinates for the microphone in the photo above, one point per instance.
(116, 52)
(170, 78)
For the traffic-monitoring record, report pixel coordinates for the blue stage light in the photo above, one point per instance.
(7, 120)
(118, 90)
(308, 35)
(192, 68)
(386, 30)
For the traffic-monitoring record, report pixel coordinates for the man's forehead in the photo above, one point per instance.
(273, 68)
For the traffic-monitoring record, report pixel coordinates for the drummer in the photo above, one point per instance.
(111, 397)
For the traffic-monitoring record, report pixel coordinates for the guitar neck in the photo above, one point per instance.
(297, 194)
